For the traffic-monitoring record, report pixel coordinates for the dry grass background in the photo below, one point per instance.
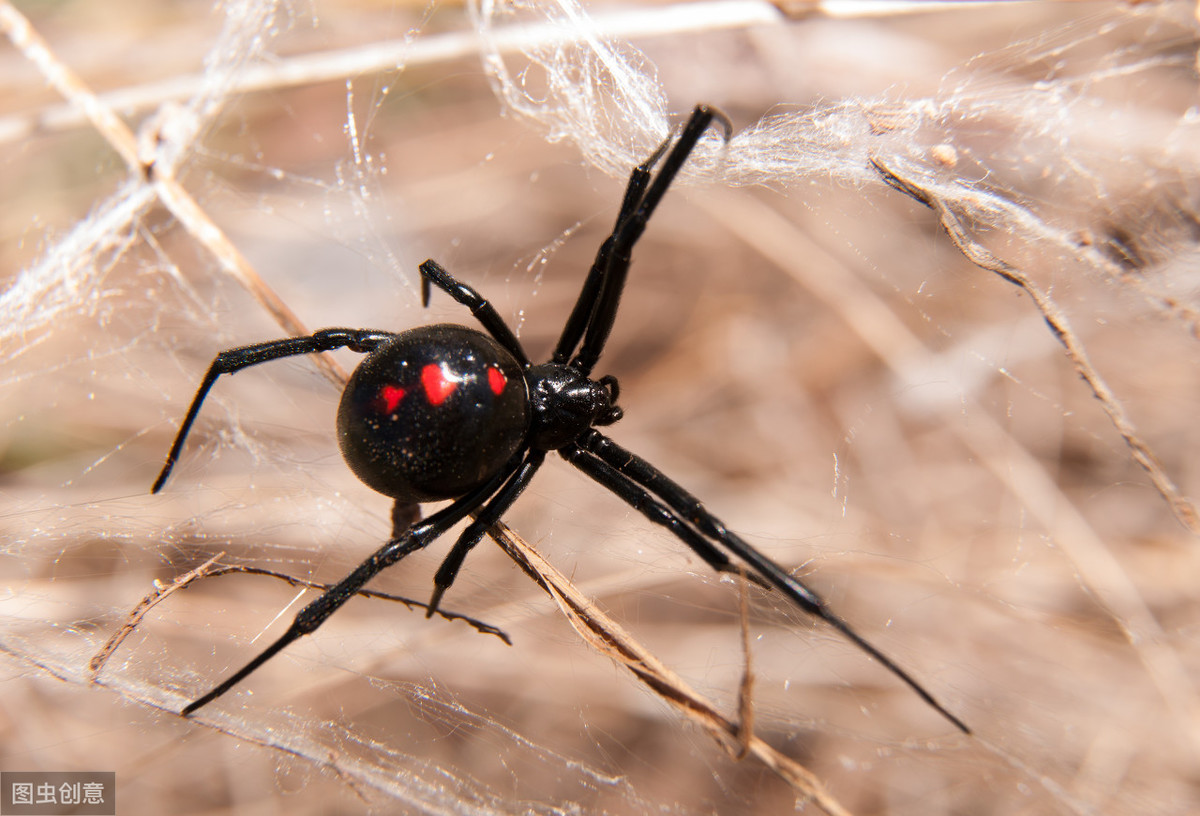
(819, 363)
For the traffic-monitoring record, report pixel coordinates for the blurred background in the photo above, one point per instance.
(800, 345)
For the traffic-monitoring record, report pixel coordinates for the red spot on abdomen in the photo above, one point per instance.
(496, 380)
(389, 397)
(437, 385)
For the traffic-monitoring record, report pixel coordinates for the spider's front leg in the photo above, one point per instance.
(581, 313)
(601, 297)
(630, 477)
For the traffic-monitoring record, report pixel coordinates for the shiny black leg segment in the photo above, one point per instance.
(309, 618)
(585, 304)
(629, 229)
(484, 519)
(639, 499)
(229, 362)
(686, 506)
(434, 273)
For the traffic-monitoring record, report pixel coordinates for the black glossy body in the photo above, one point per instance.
(433, 413)
(446, 412)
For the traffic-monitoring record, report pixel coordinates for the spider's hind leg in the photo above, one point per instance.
(310, 618)
(231, 361)
(484, 519)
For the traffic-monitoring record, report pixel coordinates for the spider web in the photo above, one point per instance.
(924, 330)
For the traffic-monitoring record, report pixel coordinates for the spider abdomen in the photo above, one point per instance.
(433, 413)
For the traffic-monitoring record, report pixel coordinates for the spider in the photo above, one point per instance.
(447, 412)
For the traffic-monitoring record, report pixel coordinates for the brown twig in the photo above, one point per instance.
(210, 569)
(609, 638)
(479, 626)
(160, 593)
(745, 723)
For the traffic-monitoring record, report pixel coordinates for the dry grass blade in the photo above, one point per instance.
(1183, 508)
(609, 638)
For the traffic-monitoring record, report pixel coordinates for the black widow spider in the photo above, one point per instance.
(446, 412)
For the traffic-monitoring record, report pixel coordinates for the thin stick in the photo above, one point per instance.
(480, 626)
(160, 593)
(606, 636)
(746, 687)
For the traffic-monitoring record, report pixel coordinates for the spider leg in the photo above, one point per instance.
(584, 305)
(640, 499)
(234, 360)
(608, 295)
(484, 519)
(307, 620)
(404, 515)
(688, 507)
(434, 273)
